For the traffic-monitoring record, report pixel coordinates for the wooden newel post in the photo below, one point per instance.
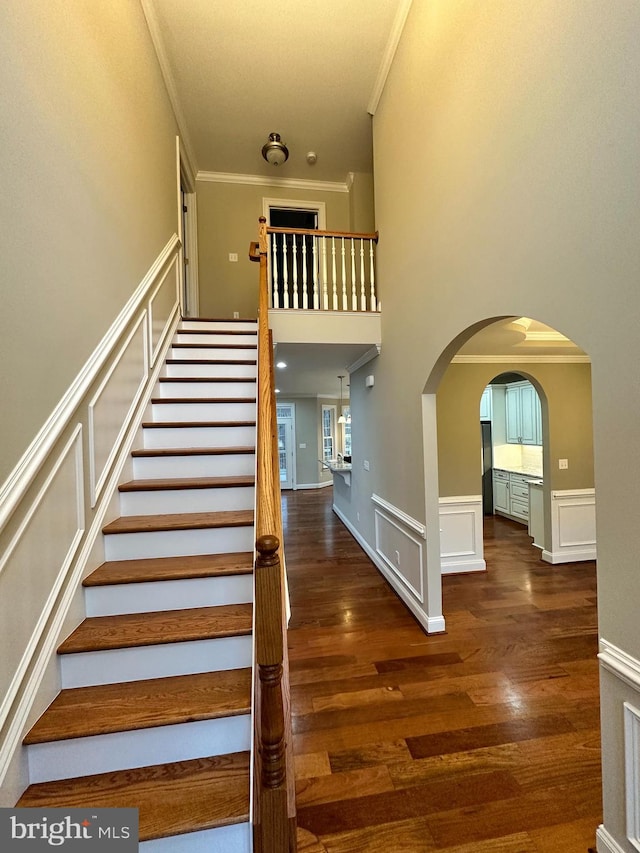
(269, 655)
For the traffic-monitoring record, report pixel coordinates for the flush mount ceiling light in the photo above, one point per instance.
(275, 151)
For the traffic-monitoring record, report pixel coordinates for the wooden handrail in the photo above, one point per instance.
(274, 829)
(314, 232)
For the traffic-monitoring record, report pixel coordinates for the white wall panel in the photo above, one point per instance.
(163, 302)
(573, 526)
(461, 536)
(401, 551)
(113, 402)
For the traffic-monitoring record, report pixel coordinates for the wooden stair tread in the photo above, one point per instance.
(99, 633)
(170, 483)
(229, 380)
(170, 568)
(217, 331)
(134, 705)
(174, 798)
(221, 320)
(156, 400)
(211, 361)
(212, 346)
(186, 424)
(190, 451)
(180, 521)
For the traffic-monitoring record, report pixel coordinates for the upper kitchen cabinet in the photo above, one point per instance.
(523, 414)
(486, 410)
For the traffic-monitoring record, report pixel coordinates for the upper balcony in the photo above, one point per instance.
(322, 287)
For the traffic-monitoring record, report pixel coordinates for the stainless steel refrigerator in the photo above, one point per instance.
(487, 468)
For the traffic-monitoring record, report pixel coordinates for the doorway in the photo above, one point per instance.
(285, 416)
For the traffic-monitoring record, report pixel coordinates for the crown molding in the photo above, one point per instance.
(169, 82)
(369, 355)
(521, 359)
(389, 52)
(261, 181)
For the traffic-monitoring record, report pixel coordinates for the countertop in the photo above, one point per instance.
(535, 474)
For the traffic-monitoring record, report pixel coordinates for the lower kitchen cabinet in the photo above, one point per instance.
(511, 494)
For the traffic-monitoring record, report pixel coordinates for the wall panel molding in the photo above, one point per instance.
(573, 526)
(461, 534)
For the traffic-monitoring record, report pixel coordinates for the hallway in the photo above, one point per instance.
(483, 739)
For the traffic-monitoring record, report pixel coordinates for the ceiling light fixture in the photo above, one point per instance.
(341, 419)
(281, 364)
(275, 151)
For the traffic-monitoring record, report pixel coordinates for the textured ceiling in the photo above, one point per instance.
(240, 70)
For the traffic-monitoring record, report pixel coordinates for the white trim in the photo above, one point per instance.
(322, 485)
(320, 208)
(387, 57)
(431, 624)
(170, 85)
(632, 772)
(417, 592)
(152, 354)
(521, 359)
(461, 527)
(605, 842)
(17, 483)
(573, 530)
(191, 245)
(260, 181)
(620, 663)
(365, 358)
(407, 520)
(73, 445)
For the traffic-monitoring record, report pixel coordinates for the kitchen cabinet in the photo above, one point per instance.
(523, 414)
(511, 494)
(500, 491)
(486, 409)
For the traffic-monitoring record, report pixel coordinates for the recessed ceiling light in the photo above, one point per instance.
(277, 390)
(281, 364)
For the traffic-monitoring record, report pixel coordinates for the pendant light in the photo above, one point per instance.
(275, 151)
(341, 419)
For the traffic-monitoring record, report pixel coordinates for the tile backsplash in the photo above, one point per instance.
(518, 457)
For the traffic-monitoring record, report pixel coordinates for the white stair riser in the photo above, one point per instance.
(166, 502)
(218, 338)
(212, 390)
(220, 353)
(219, 325)
(168, 595)
(177, 543)
(214, 465)
(158, 438)
(236, 838)
(187, 412)
(83, 669)
(140, 748)
(212, 371)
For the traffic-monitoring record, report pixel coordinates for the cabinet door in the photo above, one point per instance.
(528, 414)
(485, 404)
(513, 408)
(501, 495)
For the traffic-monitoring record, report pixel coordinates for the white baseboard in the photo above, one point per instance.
(431, 624)
(322, 485)
(606, 843)
(461, 535)
(573, 526)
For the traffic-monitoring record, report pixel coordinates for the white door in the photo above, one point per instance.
(286, 439)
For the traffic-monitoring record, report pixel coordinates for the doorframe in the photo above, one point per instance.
(320, 207)
(294, 477)
(190, 294)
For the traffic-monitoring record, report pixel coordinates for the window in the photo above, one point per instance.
(346, 411)
(328, 432)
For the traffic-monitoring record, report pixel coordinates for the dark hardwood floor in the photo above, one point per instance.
(484, 739)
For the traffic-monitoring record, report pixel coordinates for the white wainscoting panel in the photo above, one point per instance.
(461, 535)
(573, 526)
(113, 403)
(632, 772)
(34, 566)
(163, 303)
(401, 551)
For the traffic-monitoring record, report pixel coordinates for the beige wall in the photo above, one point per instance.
(514, 192)
(361, 204)
(565, 394)
(228, 223)
(88, 195)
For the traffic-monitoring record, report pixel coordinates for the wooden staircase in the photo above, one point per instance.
(155, 710)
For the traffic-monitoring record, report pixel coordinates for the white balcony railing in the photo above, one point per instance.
(322, 270)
